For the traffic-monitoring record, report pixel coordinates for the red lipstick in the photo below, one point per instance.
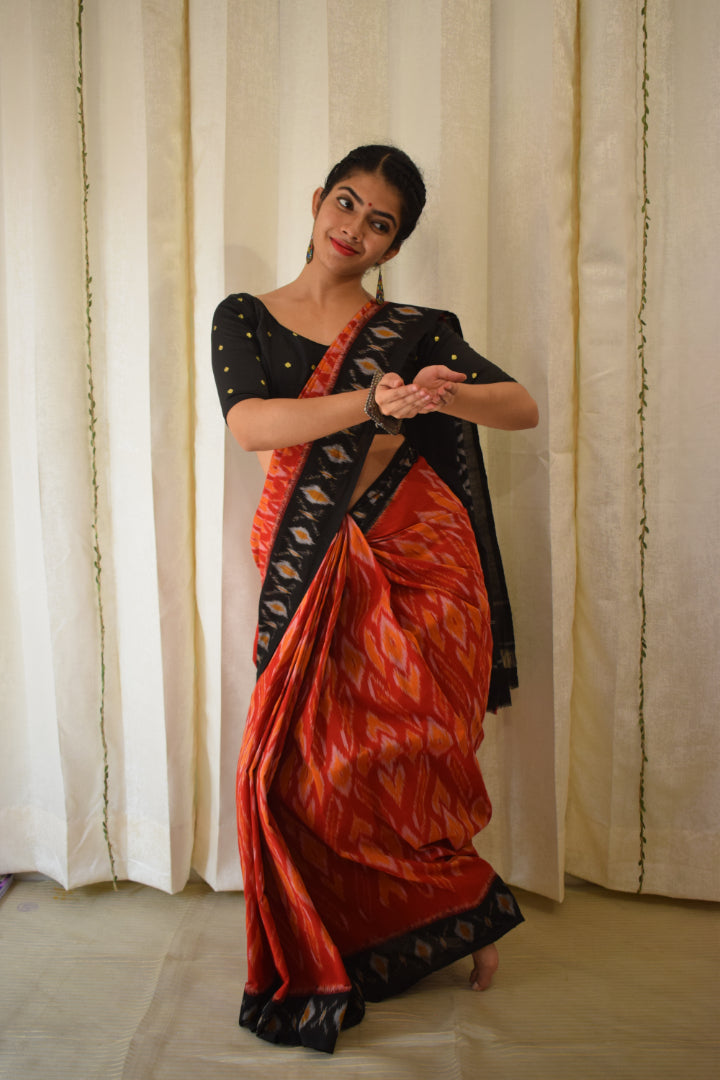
(343, 249)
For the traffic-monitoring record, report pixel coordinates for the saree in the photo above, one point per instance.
(358, 786)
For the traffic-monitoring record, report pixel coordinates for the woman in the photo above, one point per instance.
(358, 786)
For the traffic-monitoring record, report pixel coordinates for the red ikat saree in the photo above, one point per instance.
(358, 787)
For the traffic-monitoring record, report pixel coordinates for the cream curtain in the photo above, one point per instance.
(208, 124)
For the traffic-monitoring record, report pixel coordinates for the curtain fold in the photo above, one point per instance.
(207, 35)
(682, 330)
(605, 744)
(208, 125)
(531, 332)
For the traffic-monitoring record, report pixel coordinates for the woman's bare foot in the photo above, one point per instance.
(485, 963)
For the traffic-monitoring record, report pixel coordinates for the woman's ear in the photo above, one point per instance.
(316, 200)
(389, 254)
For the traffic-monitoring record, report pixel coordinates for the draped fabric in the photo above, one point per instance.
(208, 125)
(378, 648)
(359, 790)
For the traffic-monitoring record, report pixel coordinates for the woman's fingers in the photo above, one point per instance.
(406, 402)
(436, 375)
(434, 387)
(391, 380)
(394, 398)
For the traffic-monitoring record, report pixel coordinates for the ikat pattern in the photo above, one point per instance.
(287, 463)
(372, 502)
(301, 506)
(359, 790)
(380, 972)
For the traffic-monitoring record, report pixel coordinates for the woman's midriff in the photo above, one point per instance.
(379, 456)
(381, 452)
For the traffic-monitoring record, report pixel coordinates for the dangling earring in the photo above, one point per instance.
(379, 291)
(310, 251)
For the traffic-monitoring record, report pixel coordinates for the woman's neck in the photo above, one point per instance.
(315, 286)
(315, 306)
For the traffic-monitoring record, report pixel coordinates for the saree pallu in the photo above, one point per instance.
(359, 790)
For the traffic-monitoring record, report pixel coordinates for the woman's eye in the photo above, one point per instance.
(381, 226)
(345, 202)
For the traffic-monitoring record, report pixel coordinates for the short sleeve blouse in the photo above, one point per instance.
(253, 355)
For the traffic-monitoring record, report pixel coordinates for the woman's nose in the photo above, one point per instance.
(353, 226)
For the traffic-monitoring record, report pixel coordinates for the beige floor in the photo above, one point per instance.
(143, 986)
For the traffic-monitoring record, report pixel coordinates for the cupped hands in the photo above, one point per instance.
(432, 388)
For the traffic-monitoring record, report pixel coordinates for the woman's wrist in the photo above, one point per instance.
(382, 422)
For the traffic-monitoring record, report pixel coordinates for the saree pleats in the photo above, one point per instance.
(359, 791)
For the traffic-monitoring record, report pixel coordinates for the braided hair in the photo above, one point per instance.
(397, 169)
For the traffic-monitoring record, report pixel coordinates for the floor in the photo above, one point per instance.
(139, 985)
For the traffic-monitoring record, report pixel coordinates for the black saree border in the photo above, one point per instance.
(452, 448)
(504, 675)
(321, 494)
(312, 1020)
(392, 966)
(375, 500)
(320, 498)
(381, 971)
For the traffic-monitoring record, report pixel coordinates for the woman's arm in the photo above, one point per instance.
(271, 423)
(505, 405)
(469, 385)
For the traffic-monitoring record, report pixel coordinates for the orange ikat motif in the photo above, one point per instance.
(305, 484)
(358, 786)
(286, 464)
(359, 790)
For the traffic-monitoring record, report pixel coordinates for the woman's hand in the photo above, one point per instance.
(439, 381)
(432, 388)
(436, 388)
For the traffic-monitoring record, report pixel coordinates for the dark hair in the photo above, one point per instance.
(397, 169)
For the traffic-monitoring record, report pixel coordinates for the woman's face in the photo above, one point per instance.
(356, 223)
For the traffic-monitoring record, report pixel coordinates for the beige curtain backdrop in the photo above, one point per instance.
(208, 125)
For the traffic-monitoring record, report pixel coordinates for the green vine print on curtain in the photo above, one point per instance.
(92, 431)
(642, 537)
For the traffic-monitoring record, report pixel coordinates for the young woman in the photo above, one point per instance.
(384, 626)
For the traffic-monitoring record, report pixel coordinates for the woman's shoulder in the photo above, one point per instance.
(236, 299)
(239, 305)
(278, 294)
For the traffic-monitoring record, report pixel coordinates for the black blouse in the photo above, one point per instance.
(255, 356)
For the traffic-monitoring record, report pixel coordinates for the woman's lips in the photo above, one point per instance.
(342, 248)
